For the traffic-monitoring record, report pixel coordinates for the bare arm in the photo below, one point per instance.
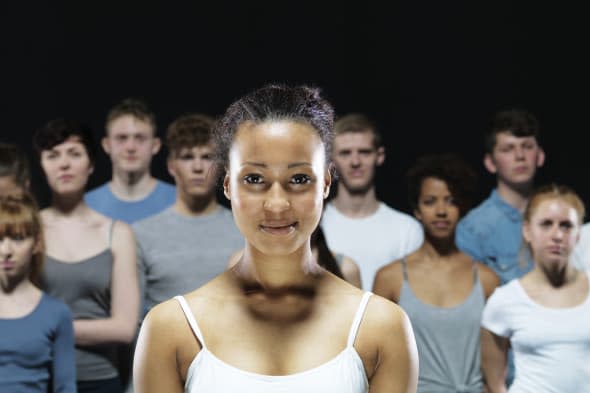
(396, 370)
(494, 352)
(122, 324)
(155, 365)
(351, 272)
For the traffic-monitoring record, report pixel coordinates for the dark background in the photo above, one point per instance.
(430, 73)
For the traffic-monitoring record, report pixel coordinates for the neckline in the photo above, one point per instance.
(476, 284)
(206, 352)
(83, 260)
(554, 309)
(31, 313)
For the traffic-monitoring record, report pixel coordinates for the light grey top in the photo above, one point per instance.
(447, 340)
(85, 286)
(178, 254)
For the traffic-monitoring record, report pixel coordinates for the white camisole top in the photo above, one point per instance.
(344, 373)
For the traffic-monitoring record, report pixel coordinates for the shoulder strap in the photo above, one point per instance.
(191, 319)
(111, 232)
(475, 273)
(405, 268)
(357, 319)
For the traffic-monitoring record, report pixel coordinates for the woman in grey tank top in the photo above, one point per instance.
(441, 289)
(90, 260)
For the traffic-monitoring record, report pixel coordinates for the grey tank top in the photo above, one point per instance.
(85, 286)
(447, 340)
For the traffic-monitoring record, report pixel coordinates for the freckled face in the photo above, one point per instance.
(276, 181)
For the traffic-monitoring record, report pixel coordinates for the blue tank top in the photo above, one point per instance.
(447, 339)
(345, 373)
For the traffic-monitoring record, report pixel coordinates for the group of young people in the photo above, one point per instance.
(273, 295)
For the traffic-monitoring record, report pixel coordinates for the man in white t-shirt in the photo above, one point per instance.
(355, 222)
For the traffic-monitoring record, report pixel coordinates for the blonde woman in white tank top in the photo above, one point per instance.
(276, 321)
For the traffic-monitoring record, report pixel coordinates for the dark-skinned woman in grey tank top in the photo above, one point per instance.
(90, 259)
(442, 290)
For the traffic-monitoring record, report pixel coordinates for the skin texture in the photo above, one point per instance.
(276, 312)
(74, 232)
(551, 234)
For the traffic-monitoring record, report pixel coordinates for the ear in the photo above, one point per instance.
(540, 157)
(170, 167)
(380, 155)
(526, 231)
(327, 181)
(226, 186)
(156, 145)
(488, 162)
(106, 145)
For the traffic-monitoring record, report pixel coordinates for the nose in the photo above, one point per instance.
(5, 248)
(519, 152)
(64, 161)
(197, 164)
(276, 200)
(355, 159)
(441, 209)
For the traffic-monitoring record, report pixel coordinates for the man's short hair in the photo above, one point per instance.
(517, 122)
(357, 122)
(131, 106)
(14, 162)
(194, 129)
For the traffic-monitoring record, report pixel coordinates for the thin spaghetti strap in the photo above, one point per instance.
(357, 319)
(405, 268)
(191, 319)
(111, 232)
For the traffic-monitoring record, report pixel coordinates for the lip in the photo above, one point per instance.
(66, 177)
(6, 265)
(279, 228)
(555, 250)
(521, 169)
(441, 224)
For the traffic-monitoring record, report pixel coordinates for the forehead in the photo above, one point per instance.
(129, 124)
(508, 138)
(433, 185)
(74, 141)
(202, 147)
(555, 208)
(354, 140)
(277, 142)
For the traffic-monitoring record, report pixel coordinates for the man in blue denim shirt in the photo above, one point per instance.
(492, 232)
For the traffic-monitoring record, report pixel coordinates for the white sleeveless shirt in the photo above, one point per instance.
(344, 373)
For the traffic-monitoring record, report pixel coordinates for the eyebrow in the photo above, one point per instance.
(289, 166)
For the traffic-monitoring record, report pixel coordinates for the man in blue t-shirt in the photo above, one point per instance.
(131, 142)
(492, 232)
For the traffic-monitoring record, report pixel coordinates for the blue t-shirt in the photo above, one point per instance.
(37, 350)
(492, 233)
(104, 201)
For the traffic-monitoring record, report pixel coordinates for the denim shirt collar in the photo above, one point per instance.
(510, 211)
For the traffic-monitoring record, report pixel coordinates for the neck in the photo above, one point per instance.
(277, 274)
(132, 186)
(16, 287)
(515, 196)
(195, 206)
(439, 248)
(68, 204)
(555, 278)
(356, 205)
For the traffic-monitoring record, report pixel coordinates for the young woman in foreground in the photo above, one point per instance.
(545, 315)
(276, 321)
(36, 333)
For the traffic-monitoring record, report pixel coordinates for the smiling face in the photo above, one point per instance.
(436, 209)
(551, 233)
(66, 166)
(276, 181)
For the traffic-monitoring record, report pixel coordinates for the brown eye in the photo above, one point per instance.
(252, 179)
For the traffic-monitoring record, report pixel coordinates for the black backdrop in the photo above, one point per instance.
(430, 73)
